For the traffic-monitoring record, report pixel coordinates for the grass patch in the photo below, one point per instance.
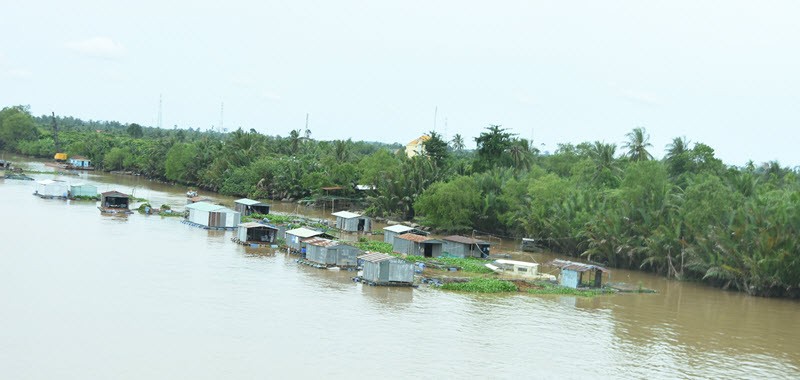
(374, 246)
(468, 264)
(482, 285)
(548, 288)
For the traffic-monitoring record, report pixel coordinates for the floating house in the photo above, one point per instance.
(417, 245)
(331, 253)
(521, 269)
(462, 246)
(114, 202)
(207, 215)
(256, 233)
(80, 163)
(383, 269)
(295, 237)
(248, 206)
(49, 188)
(572, 274)
(398, 229)
(82, 190)
(352, 222)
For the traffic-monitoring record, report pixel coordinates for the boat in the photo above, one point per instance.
(191, 193)
(519, 269)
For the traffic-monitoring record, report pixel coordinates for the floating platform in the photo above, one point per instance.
(115, 211)
(628, 288)
(43, 196)
(193, 224)
(254, 244)
(323, 266)
(389, 283)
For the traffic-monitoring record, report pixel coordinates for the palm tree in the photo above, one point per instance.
(678, 146)
(294, 140)
(520, 155)
(457, 143)
(637, 144)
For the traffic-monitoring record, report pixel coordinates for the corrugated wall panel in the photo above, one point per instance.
(400, 271)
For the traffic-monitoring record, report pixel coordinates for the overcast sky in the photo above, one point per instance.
(725, 73)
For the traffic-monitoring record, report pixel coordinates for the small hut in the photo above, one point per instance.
(572, 274)
(295, 237)
(207, 215)
(352, 222)
(80, 163)
(383, 269)
(256, 233)
(331, 253)
(82, 190)
(390, 232)
(49, 188)
(462, 246)
(248, 206)
(114, 202)
(417, 245)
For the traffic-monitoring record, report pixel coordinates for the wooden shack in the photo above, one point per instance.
(390, 232)
(383, 269)
(352, 222)
(211, 216)
(462, 246)
(114, 202)
(256, 233)
(572, 274)
(417, 245)
(248, 206)
(331, 253)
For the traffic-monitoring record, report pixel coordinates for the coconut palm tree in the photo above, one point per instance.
(457, 143)
(637, 144)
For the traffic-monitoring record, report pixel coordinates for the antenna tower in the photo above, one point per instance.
(160, 106)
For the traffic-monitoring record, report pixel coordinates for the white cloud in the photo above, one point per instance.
(640, 97)
(97, 47)
(270, 95)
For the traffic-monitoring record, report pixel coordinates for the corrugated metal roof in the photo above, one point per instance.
(257, 225)
(205, 206)
(346, 214)
(48, 182)
(398, 228)
(375, 257)
(464, 240)
(412, 237)
(322, 242)
(115, 193)
(304, 232)
(248, 202)
(578, 267)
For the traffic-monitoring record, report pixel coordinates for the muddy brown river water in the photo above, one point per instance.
(91, 296)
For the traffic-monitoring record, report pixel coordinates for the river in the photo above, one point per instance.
(132, 297)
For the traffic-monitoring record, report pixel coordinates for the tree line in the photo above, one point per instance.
(687, 216)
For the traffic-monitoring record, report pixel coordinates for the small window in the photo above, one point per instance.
(521, 269)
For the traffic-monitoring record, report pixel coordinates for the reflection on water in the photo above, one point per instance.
(144, 296)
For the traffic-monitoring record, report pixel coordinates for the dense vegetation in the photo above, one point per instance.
(686, 216)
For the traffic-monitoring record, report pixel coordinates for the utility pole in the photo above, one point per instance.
(435, 112)
(221, 116)
(160, 106)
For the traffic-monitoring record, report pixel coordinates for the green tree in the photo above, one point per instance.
(637, 144)
(16, 126)
(435, 148)
(450, 206)
(492, 145)
(135, 131)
